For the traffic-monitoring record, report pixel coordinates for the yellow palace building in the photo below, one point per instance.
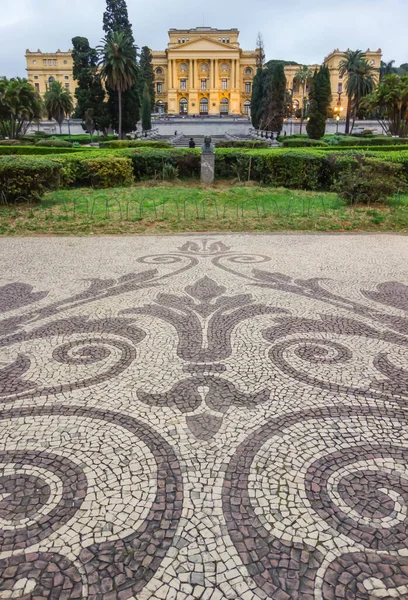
(203, 71)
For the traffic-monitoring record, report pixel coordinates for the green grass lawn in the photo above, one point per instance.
(158, 208)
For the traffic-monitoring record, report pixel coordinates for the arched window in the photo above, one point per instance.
(247, 108)
(160, 107)
(51, 79)
(159, 71)
(248, 71)
(183, 67)
(204, 106)
(224, 67)
(224, 105)
(183, 106)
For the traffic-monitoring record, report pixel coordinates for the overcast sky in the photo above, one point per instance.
(300, 30)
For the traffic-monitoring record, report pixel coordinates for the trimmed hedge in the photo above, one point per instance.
(28, 177)
(308, 168)
(37, 150)
(134, 144)
(242, 144)
(54, 144)
(301, 143)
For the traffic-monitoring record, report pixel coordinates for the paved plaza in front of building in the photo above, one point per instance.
(204, 417)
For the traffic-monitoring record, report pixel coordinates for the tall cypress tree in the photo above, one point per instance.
(116, 18)
(257, 99)
(146, 73)
(274, 112)
(89, 92)
(320, 98)
(146, 109)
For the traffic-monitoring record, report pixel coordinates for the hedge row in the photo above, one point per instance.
(38, 150)
(301, 143)
(134, 144)
(310, 169)
(242, 144)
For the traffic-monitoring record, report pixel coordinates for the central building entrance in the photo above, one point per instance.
(183, 106)
(204, 106)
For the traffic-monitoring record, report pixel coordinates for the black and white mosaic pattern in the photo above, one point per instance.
(211, 418)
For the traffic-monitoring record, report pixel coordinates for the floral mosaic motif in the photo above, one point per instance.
(202, 427)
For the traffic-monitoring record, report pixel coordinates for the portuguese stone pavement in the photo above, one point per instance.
(193, 417)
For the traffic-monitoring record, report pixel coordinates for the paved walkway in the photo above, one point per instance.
(184, 417)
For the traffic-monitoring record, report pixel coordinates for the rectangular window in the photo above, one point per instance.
(37, 86)
(183, 84)
(159, 88)
(45, 62)
(35, 76)
(224, 84)
(203, 84)
(49, 62)
(67, 86)
(66, 76)
(248, 88)
(55, 62)
(339, 88)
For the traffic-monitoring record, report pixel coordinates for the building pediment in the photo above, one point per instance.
(203, 44)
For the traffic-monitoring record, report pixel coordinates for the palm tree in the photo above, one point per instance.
(58, 102)
(359, 82)
(20, 104)
(302, 76)
(387, 68)
(119, 66)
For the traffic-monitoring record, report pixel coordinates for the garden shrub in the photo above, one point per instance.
(54, 144)
(148, 162)
(242, 144)
(108, 172)
(372, 141)
(373, 181)
(134, 144)
(170, 172)
(28, 177)
(301, 143)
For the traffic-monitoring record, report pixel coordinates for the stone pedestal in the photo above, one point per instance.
(207, 167)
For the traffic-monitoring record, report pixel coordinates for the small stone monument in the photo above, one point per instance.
(207, 161)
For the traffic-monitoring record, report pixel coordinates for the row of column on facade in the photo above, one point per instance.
(195, 76)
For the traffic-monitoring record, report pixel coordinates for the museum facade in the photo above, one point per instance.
(202, 72)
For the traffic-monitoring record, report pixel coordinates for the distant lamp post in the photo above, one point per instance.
(337, 124)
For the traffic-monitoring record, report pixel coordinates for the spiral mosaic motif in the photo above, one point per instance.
(211, 418)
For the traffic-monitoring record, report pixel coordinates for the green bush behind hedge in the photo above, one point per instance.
(242, 144)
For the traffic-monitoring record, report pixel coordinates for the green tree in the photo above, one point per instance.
(146, 109)
(119, 69)
(58, 102)
(146, 73)
(302, 76)
(257, 98)
(116, 20)
(320, 99)
(389, 102)
(268, 103)
(20, 105)
(359, 74)
(89, 92)
(274, 111)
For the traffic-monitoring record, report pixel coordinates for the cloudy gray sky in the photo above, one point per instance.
(299, 30)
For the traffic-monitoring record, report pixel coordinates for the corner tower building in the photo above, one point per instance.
(204, 71)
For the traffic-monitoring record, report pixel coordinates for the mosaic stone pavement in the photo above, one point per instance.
(216, 418)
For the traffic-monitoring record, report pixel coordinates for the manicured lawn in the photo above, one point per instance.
(188, 207)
